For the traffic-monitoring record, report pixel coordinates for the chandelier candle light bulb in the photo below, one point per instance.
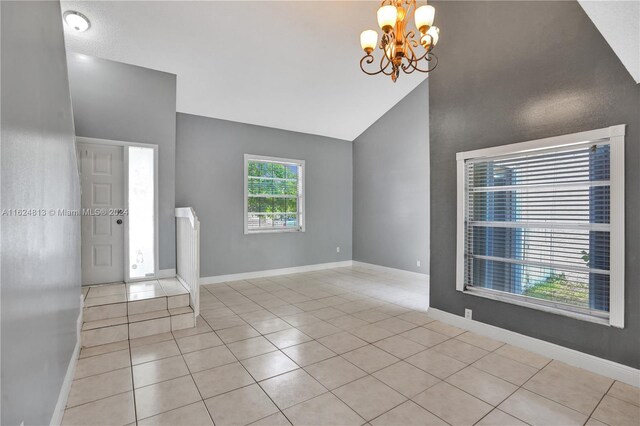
(401, 45)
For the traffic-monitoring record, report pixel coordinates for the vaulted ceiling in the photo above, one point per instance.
(292, 65)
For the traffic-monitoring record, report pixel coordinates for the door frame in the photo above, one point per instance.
(125, 168)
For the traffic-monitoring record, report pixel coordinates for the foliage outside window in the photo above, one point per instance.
(274, 190)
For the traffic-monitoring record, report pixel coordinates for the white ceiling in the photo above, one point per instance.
(287, 64)
(619, 23)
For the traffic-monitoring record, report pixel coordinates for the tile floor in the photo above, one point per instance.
(335, 347)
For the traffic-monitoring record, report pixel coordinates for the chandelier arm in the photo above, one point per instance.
(368, 58)
(383, 69)
(412, 64)
(432, 59)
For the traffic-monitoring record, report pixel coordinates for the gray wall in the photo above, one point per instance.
(391, 186)
(123, 102)
(543, 69)
(40, 254)
(210, 178)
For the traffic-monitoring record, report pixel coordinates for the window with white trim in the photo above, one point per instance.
(541, 224)
(273, 194)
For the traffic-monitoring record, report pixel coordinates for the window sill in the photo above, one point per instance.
(272, 231)
(532, 304)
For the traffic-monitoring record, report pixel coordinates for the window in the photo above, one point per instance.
(274, 194)
(541, 224)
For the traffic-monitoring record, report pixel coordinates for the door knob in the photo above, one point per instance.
(119, 221)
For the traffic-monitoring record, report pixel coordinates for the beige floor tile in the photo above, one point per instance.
(251, 347)
(323, 410)
(425, 337)
(369, 397)
(99, 386)
(115, 410)
(406, 379)
(297, 320)
(201, 327)
(208, 358)
(570, 386)
(154, 351)
(327, 313)
(523, 356)
(616, 412)
(105, 290)
(537, 410)
(399, 346)
(416, 317)
(246, 307)
(268, 365)
(225, 322)
(277, 419)
(222, 379)
(461, 351)
(594, 422)
(189, 415)
(335, 372)
(103, 349)
(395, 325)
(371, 315)
(318, 329)
(342, 342)
(285, 310)
(506, 368)
(408, 414)
(271, 325)
(148, 340)
(104, 300)
(499, 418)
(158, 371)
(625, 392)
(452, 405)
(482, 342)
(435, 363)
(198, 342)
(285, 338)
(165, 396)
(235, 334)
(442, 328)
(240, 407)
(370, 333)
(308, 353)
(102, 363)
(347, 322)
(482, 385)
(292, 388)
(370, 358)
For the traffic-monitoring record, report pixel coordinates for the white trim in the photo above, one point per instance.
(614, 136)
(301, 194)
(156, 196)
(63, 396)
(166, 273)
(273, 272)
(579, 359)
(538, 144)
(380, 268)
(617, 231)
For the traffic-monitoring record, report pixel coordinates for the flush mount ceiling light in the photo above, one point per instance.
(400, 45)
(76, 21)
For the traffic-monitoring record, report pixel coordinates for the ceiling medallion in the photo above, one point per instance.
(399, 44)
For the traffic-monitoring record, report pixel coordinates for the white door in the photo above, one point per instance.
(102, 182)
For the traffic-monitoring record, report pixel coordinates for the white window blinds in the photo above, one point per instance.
(273, 194)
(537, 226)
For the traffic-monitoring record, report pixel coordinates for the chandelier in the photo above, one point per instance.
(400, 45)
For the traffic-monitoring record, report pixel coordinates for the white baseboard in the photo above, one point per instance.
(58, 413)
(588, 362)
(381, 268)
(166, 273)
(273, 272)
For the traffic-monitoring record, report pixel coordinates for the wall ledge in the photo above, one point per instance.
(380, 268)
(273, 272)
(579, 359)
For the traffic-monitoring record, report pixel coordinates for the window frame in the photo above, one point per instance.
(301, 194)
(614, 135)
